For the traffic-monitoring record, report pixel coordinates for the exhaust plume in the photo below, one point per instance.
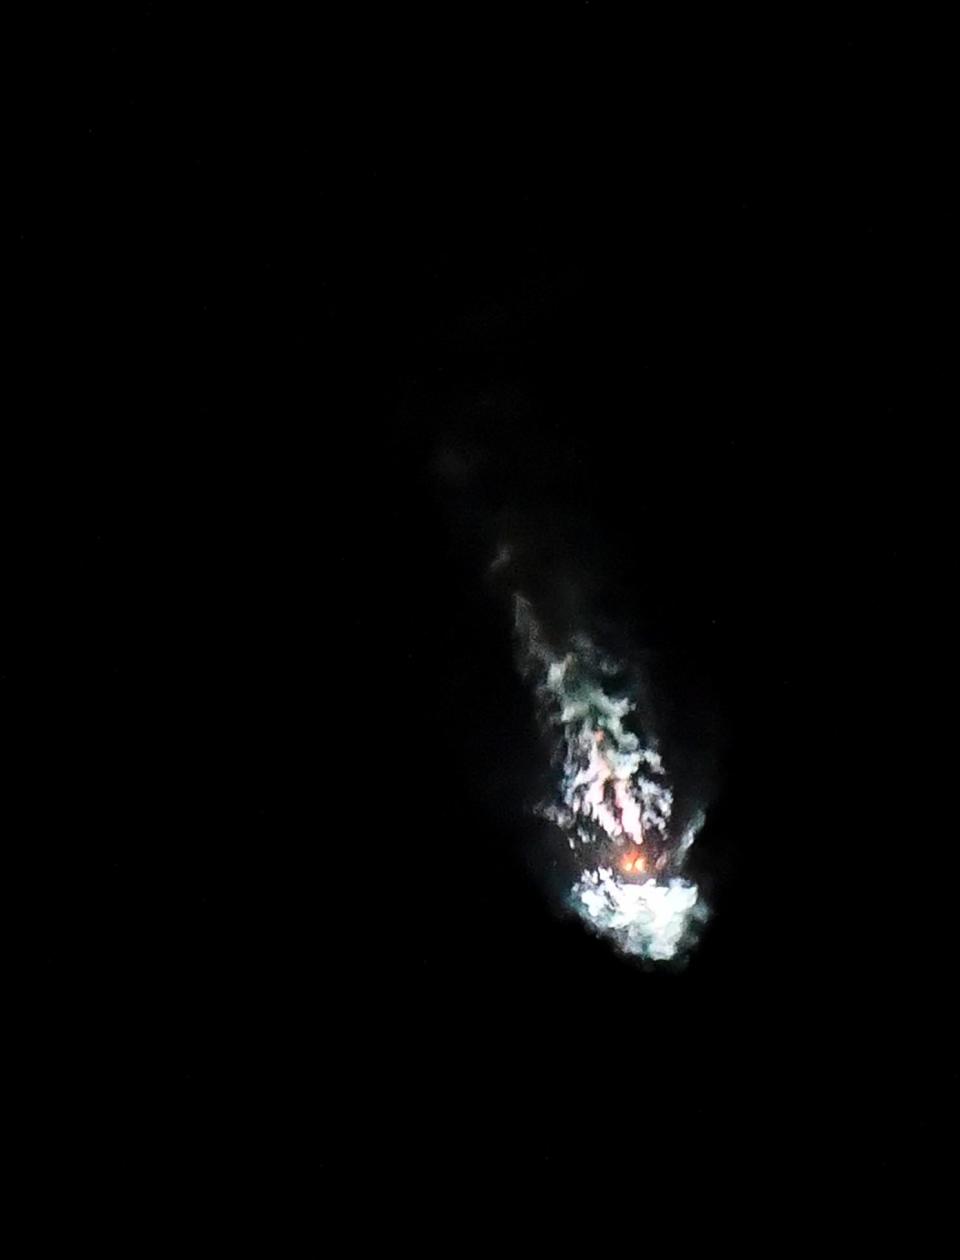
(614, 804)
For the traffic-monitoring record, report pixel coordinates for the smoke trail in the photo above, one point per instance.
(614, 804)
(621, 839)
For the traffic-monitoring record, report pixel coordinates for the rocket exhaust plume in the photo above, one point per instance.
(616, 833)
(614, 806)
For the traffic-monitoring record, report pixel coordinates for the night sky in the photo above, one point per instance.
(311, 321)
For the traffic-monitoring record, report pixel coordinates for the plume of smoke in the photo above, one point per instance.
(614, 805)
(622, 840)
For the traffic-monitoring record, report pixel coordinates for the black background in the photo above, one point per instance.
(680, 292)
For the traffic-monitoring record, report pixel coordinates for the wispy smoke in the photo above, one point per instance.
(614, 803)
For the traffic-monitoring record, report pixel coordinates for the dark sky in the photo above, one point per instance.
(306, 317)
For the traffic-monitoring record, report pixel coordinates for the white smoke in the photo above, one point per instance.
(614, 805)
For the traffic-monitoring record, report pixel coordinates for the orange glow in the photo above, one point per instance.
(633, 864)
